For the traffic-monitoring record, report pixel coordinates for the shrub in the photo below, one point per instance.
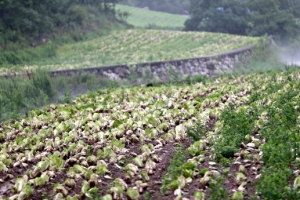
(196, 79)
(228, 151)
(19, 95)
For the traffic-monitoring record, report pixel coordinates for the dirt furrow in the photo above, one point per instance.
(155, 183)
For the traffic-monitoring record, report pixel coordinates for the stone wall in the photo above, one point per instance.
(165, 70)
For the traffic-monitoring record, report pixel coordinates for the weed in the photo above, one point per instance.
(173, 75)
(217, 188)
(253, 197)
(263, 59)
(174, 169)
(237, 124)
(197, 131)
(148, 196)
(19, 95)
(202, 171)
(196, 79)
(67, 98)
(44, 194)
(225, 162)
(228, 151)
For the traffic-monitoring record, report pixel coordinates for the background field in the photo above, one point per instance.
(135, 46)
(152, 19)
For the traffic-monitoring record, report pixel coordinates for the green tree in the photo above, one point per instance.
(279, 18)
(226, 16)
(171, 6)
(21, 19)
(33, 16)
(273, 17)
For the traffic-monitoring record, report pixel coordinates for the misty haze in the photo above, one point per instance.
(292, 58)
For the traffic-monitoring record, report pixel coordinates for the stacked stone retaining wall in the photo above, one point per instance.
(163, 70)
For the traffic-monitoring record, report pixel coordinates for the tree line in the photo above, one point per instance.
(170, 6)
(279, 18)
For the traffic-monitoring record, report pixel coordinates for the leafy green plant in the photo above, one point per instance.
(278, 157)
(148, 196)
(67, 98)
(237, 124)
(197, 131)
(19, 95)
(217, 188)
(263, 58)
(174, 168)
(228, 151)
(196, 79)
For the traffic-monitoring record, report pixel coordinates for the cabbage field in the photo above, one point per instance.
(136, 46)
(229, 138)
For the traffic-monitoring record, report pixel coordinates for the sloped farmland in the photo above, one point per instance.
(230, 138)
(138, 46)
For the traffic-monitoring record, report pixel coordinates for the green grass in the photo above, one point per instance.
(140, 17)
(136, 46)
(19, 95)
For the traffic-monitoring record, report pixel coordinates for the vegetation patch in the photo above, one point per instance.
(144, 18)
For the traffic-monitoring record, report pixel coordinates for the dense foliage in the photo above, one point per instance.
(170, 6)
(48, 23)
(36, 17)
(20, 94)
(218, 16)
(256, 18)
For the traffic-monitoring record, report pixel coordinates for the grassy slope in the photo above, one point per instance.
(134, 46)
(145, 18)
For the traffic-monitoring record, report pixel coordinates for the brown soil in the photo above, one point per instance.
(155, 184)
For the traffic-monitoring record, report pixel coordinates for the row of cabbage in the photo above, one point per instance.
(110, 144)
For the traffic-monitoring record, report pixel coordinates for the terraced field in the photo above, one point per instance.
(233, 137)
(143, 18)
(135, 46)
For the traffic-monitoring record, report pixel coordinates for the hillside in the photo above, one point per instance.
(143, 18)
(134, 46)
(39, 28)
(233, 137)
